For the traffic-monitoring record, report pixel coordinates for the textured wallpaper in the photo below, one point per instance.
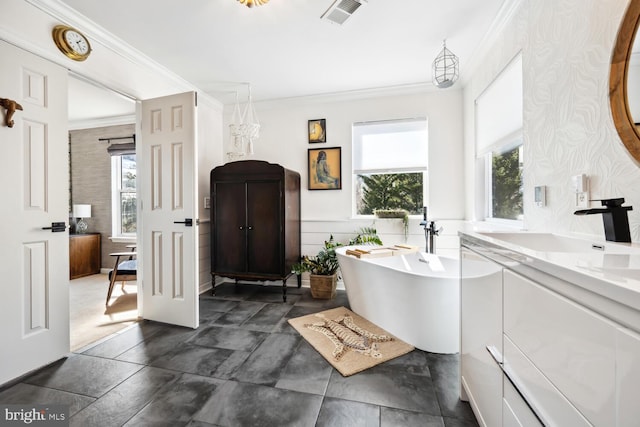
(91, 180)
(568, 130)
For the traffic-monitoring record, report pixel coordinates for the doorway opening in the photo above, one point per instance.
(97, 114)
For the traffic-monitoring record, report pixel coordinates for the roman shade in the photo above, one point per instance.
(122, 148)
(390, 146)
(499, 108)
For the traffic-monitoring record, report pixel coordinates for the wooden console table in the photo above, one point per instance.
(84, 254)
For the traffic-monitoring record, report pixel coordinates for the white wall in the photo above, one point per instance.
(283, 140)
(633, 89)
(566, 48)
(209, 155)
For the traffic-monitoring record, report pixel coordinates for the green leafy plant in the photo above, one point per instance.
(326, 261)
(366, 235)
(395, 213)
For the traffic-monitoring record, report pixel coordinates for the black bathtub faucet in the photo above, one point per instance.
(615, 218)
(430, 232)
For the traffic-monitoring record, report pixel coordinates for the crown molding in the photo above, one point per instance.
(65, 14)
(504, 16)
(350, 95)
(102, 122)
(69, 16)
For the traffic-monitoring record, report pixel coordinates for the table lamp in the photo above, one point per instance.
(80, 212)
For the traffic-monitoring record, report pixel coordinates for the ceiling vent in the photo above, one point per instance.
(341, 10)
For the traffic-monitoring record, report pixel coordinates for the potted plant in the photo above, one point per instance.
(395, 213)
(323, 267)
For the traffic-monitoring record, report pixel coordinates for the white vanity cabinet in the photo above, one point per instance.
(628, 377)
(481, 328)
(515, 411)
(572, 346)
(566, 355)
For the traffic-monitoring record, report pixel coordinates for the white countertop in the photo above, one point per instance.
(612, 272)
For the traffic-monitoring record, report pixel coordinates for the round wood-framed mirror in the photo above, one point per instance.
(618, 81)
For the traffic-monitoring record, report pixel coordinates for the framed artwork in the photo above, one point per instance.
(317, 130)
(325, 168)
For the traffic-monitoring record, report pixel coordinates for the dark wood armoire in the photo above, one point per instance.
(255, 229)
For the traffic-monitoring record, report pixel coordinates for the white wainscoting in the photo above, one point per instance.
(390, 231)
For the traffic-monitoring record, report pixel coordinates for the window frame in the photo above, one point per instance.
(424, 170)
(514, 140)
(499, 125)
(116, 194)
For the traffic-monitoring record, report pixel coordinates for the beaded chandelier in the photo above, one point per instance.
(251, 3)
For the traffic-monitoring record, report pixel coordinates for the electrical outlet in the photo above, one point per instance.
(582, 200)
(207, 202)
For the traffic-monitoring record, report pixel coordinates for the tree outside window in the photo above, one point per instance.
(390, 191)
(128, 199)
(506, 184)
(124, 195)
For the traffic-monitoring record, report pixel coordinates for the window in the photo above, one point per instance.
(390, 165)
(124, 198)
(505, 170)
(499, 111)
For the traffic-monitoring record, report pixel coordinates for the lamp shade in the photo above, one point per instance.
(82, 211)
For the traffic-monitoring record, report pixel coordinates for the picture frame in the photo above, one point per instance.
(317, 130)
(324, 168)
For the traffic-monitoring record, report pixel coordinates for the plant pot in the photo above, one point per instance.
(390, 213)
(322, 286)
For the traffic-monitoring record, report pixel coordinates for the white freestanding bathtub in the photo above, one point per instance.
(417, 301)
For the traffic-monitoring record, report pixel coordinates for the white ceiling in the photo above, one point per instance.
(88, 102)
(285, 50)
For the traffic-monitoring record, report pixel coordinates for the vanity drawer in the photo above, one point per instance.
(573, 347)
(481, 327)
(542, 396)
(515, 411)
(628, 377)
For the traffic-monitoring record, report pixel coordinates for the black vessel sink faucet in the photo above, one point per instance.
(615, 218)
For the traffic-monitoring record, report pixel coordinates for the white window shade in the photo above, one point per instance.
(499, 108)
(390, 146)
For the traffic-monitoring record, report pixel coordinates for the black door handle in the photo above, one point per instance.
(188, 222)
(57, 227)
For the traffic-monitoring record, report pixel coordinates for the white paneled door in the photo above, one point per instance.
(168, 192)
(34, 255)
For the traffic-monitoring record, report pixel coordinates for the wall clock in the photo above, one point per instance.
(71, 42)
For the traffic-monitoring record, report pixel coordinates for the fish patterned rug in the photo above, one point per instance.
(349, 342)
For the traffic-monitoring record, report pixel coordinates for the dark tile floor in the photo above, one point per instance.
(244, 366)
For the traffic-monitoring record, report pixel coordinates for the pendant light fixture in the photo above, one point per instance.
(244, 129)
(237, 145)
(251, 3)
(445, 68)
(250, 127)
